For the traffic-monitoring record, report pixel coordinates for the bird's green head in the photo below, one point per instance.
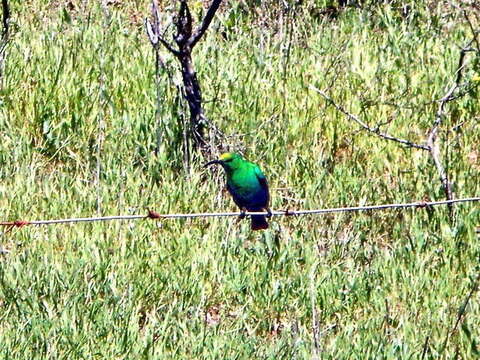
(229, 161)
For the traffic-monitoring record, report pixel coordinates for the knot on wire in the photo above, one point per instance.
(13, 224)
(153, 215)
(20, 223)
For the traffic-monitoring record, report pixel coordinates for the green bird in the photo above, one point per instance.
(247, 185)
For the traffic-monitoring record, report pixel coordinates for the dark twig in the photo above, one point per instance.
(5, 34)
(472, 29)
(169, 47)
(205, 23)
(425, 347)
(461, 313)
(315, 320)
(5, 19)
(365, 126)
(184, 27)
(185, 41)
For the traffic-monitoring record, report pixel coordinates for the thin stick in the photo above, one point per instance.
(425, 347)
(461, 313)
(315, 320)
(205, 23)
(153, 215)
(375, 131)
(472, 29)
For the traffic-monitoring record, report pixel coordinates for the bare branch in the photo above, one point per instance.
(375, 130)
(5, 19)
(435, 154)
(205, 23)
(425, 347)
(156, 15)
(153, 31)
(472, 29)
(169, 47)
(184, 27)
(5, 33)
(434, 146)
(315, 320)
(185, 39)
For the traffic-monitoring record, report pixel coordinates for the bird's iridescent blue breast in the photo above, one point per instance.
(248, 187)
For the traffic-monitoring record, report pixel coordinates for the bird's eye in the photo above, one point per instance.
(228, 160)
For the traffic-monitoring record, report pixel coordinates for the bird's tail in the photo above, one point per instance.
(259, 222)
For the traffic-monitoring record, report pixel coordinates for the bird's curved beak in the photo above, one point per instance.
(214, 162)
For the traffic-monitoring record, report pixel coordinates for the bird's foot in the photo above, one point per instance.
(242, 213)
(269, 215)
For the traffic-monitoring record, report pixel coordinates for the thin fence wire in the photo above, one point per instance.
(154, 215)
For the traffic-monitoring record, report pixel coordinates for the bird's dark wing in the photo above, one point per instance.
(236, 199)
(263, 182)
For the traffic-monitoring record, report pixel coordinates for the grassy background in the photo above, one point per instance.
(78, 130)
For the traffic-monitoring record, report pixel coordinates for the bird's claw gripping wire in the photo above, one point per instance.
(269, 215)
(242, 213)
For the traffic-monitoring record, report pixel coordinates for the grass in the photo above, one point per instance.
(353, 286)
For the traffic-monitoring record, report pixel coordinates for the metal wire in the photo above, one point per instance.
(153, 215)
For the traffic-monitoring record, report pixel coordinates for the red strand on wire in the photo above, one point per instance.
(16, 223)
(153, 215)
(12, 224)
